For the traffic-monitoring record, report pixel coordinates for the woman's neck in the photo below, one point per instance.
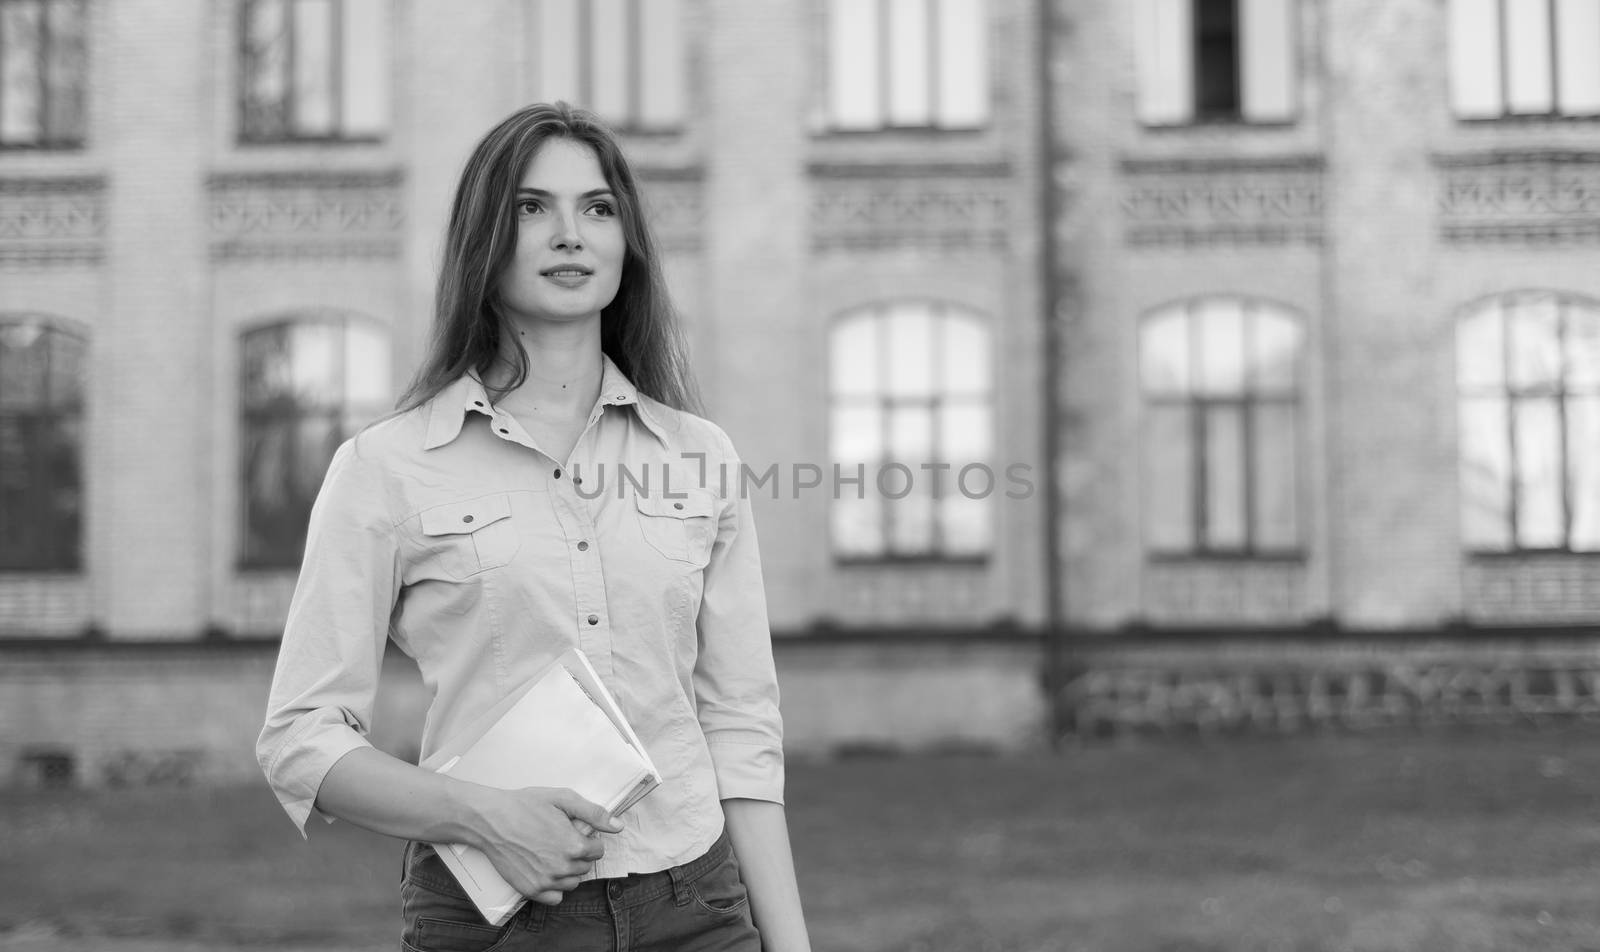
(564, 370)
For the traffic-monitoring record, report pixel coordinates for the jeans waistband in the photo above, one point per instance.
(597, 895)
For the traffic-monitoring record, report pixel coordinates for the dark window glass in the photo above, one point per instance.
(1216, 59)
(313, 70)
(41, 440)
(305, 387)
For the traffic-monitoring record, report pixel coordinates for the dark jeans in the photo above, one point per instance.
(700, 906)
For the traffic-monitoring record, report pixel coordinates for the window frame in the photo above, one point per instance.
(884, 68)
(1552, 51)
(1197, 406)
(1511, 394)
(249, 418)
(52, 140)
(50, 412)
(635, 78)
(879, 315)
(1194, 116)
(338, 101)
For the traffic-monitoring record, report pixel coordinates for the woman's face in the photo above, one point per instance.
(570, 245)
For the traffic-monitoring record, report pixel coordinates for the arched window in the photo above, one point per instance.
(41, 445)
(1221, 378)
(306, 385)
(1528, 366)
(911, 404)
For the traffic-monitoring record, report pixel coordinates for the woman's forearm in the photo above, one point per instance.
(378, 792)
(760, 834)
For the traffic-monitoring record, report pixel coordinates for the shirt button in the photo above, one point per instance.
(615, 890)
(466, 518)
(504, 431)
(677, 505)
(558, 474)
(583, 546)
(577, 480)
(594, 619)
(478, 403)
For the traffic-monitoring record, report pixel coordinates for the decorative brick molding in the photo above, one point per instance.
(1201, 203)
(1519, 198)
(1198, 592)
(276, 216)
(674, 204)
(930, 207)
(1534, 589)
(1344, 684)
(52, 222)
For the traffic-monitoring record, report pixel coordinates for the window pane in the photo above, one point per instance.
(854, 89)
(1216, 58)
(910, 520)
(1583, 447)
(662, 96)
(316, 364)
(1220, 324)
(24, 362)
(853, 364)
(1275, 506)
(313, 67)
(609, 60)
(963, 59)
(284, 462)
(964, 357)
(1275, 353)
(911, 436)
(1577, 36)
(965, 435)
(1225, 462)
(557, 44)
(1269, 43)
(1535, 328)
(264, 367)
(856, 434)
(1163, 38)
(1528, 51)
(1169, 479)
(59, 491)
(366, 67)
(910, 351)
(1164, 353)
(1583, 348)
(1480, 351)
(966, 524)
(65, 71)
(857, 524)
(266, 69)
(68, 367)
(1475, 58)
(1485, 474)
(1539, 475)
(21, 72)
(909, 46)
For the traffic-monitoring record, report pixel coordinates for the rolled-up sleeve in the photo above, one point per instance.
(736, 685)
(323, 690)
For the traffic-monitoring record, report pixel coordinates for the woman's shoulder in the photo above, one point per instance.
(388, 439)
(686, 431)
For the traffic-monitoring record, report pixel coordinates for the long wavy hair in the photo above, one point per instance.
(639, 329)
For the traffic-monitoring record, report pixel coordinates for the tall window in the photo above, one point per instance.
(1528, 365)
(314, 69)
(1222, 379)
(911, 413)
(908, 64)
(622, 58)
(41, 443)
(42, 66)
(1525, 58)
(1215, 60)
(305, 387)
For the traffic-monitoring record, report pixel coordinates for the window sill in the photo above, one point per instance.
(1491, 556)
(910, 561)
(837, 134)
(53, 574)
(1218, 123)
(1288, 557)
(291, 142)
(1532, 119)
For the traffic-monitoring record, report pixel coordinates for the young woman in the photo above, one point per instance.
(489, 526)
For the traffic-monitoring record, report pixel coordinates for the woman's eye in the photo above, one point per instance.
(603, 209)
(529, 206)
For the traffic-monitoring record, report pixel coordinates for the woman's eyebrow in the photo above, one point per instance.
(541, 193)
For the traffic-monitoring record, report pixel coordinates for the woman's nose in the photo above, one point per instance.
(566, 236)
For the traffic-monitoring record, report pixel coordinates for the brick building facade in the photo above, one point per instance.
(1260, 227)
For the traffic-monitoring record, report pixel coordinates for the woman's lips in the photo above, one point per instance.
(568, 277)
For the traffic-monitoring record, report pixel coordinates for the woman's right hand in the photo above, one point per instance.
(541, 839)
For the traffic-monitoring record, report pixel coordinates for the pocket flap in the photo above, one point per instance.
(695, 504)
(469, 515)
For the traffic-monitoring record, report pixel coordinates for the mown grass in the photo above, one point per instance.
(1440, 840)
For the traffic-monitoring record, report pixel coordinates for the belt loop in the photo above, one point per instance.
(405, 859)
(536, 913)
(680, 884)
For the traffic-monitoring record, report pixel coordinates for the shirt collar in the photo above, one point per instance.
(447, 411)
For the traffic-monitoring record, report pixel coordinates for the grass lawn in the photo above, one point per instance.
(1442, 840)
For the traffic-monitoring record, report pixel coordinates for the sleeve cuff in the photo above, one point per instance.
(747, 771)
(298, 775)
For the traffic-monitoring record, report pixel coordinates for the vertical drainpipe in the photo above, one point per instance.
(1049, 213)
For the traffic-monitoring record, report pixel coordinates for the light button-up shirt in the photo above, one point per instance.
(448, 530)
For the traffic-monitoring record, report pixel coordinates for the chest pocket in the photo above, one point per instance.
(472, 535)
(680, 529)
